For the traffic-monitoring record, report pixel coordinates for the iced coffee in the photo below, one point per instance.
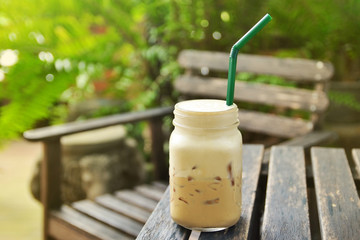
(205, 165)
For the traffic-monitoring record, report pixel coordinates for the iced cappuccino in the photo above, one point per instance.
(205, 165)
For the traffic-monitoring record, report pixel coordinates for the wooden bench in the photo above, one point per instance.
(289, 212)
(206, 77)
(111, 216)
(59, 219)
(118, 216)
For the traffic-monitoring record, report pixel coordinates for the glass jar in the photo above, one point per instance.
(205, 165)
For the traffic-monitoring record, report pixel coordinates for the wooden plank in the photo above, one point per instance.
(150, 192)
(273, 125)
(136, 199)
(126, 209)
(291, 68)
(336, 196)
(356, 157)
(292, 98)
(67, 223)
(286, 213)
(160, 225)
(108, 217)
(50, 132)
(252, 155)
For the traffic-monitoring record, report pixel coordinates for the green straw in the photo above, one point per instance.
(233, 56)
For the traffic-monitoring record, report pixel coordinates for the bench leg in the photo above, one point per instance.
(50, 181)
(157, 150)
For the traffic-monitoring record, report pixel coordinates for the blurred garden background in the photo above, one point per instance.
(70, 60)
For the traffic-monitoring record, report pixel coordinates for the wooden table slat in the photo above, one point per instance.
(109, 217)
(122, 207)
(286, 213)
(337, 199)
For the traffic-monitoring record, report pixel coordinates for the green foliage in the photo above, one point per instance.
(61, 51)
(326, 30)
(345, 99)
(74, 51)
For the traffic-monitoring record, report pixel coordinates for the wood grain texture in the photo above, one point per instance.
(67, 223)
(295, 69)
(136, 199)
(108, 217)
(56, 131)
(337, 199)
(150, 191)
(124, 208)
(252, 156)
(273, 125)
(293, 98)
(161, 226)
(286, 213)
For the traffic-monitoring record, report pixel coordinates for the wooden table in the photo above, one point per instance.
(286, 204)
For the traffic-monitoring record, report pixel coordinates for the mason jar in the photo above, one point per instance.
(205, 165)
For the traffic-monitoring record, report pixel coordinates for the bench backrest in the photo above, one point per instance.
(205, 76)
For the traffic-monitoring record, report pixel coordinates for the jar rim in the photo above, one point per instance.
(205, 114)
(203, 107)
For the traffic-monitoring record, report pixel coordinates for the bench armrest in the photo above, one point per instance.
(52, 132)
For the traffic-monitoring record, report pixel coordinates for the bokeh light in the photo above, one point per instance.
(8, 58)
